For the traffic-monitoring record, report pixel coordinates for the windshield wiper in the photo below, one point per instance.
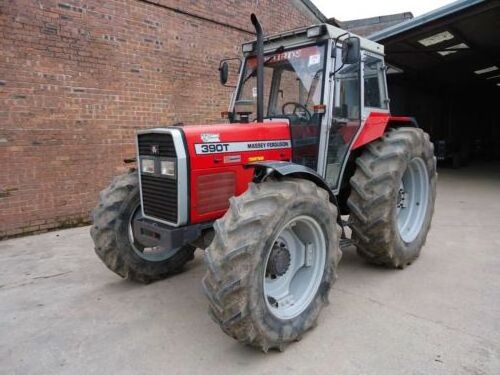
(254, 70)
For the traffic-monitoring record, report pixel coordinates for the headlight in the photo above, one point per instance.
(167, 168)
(147, 166)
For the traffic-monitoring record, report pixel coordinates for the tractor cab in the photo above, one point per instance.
(312, 79)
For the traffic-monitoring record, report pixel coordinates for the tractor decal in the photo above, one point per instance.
(214, 148)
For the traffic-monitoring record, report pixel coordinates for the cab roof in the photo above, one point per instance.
(298, 37)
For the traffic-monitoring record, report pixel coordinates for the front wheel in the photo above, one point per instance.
(392, 197)
(119, 205)
(272, 262)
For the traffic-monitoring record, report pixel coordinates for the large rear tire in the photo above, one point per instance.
(392, 197)
(272, 262)
(114, 241)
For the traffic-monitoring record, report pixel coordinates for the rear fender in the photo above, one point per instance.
(377, 124)
(267, 169)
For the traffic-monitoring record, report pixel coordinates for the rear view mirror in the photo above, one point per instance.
(229, 67)
(223, 72)
(351, 50)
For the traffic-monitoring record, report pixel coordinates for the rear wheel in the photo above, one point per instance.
(272, 262)
(113, 235)
(392, 198)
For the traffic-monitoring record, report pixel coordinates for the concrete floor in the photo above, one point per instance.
(62, 311)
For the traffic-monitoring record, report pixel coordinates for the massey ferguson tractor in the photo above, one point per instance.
(309, 137)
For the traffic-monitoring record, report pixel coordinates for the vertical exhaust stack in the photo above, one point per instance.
(260, 67)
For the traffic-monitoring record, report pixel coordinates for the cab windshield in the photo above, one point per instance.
(293, 83)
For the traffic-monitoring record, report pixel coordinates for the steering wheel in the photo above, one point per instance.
(297, 106)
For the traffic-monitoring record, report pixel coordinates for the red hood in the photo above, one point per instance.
(205, 142)
(238, 132)
(217, 158)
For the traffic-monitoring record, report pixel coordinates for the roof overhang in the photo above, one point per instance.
(458, 44)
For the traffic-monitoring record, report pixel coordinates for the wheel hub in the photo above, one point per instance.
(294, 267)
(411, 204)
(401, 197)
(279, 260)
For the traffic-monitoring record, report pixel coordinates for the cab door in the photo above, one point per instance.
(345, 119)
(358, 90)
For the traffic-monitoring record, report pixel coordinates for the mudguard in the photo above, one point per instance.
(377, 123)
(288, 169)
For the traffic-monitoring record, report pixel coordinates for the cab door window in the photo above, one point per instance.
(374, 84)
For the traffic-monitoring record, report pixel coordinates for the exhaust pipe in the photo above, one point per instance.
(260, 67)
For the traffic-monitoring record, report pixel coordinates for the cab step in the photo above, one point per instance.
(345, 243)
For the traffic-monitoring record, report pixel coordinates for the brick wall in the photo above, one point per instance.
(78, 78)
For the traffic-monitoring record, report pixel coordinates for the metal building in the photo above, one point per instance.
(445, 70)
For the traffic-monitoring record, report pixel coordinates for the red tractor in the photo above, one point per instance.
(310, 138)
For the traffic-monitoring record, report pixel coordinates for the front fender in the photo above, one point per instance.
(289, 169)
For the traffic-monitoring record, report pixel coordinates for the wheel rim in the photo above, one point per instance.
(152, 254)
(412, 200)
(294, 267)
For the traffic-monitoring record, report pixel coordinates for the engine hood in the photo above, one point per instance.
(239, 140)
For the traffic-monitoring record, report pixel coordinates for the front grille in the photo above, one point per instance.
(159, 197)
(159, 194)
(164, 141)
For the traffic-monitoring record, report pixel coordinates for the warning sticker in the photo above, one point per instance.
(232, 159)
(255, 158)
(314, 59)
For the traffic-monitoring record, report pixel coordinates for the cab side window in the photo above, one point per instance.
(374, 83)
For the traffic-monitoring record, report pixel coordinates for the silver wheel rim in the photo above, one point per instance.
(412, 200)
(290, 292)
(151, 254)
